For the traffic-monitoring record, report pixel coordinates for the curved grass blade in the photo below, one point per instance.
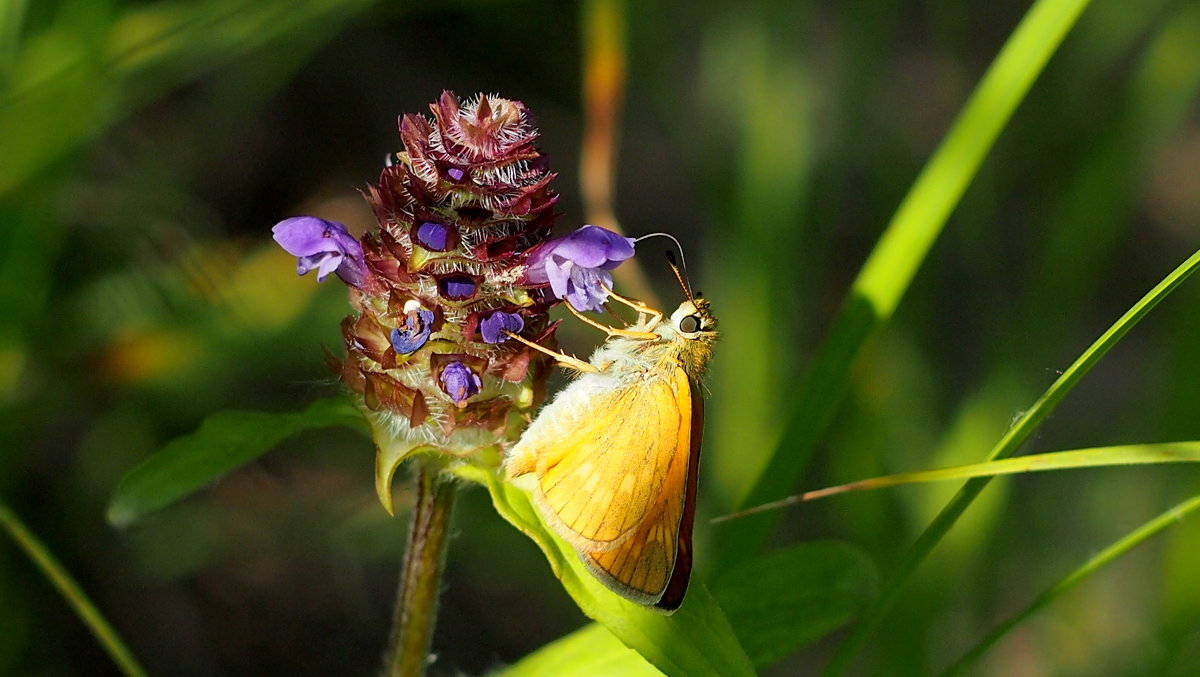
(69, 588)
(886, 275)
(1094, 457)
(1125, 544)
(696, 640)
(224, 441)
(1008, 444)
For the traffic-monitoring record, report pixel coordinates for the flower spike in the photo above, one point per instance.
(438, 286)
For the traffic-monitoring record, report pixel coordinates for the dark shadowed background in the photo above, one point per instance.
(146, 148)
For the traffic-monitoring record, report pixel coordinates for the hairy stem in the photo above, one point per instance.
(421, 576)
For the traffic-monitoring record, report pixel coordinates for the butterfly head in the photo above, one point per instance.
(692, 330)
(693, 321)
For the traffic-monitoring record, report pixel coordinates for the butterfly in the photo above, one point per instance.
(615, 454)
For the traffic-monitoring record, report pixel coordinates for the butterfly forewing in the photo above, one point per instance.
(600, 481)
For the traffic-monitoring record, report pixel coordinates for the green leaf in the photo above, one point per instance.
(780, 601)
(590, 651)
(225, 441)
(696, 640)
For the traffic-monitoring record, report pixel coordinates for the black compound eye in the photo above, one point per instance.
(689, 324)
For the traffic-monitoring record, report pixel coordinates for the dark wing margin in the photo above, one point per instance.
(677, 586)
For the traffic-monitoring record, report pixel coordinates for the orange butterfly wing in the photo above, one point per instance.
(619, 484)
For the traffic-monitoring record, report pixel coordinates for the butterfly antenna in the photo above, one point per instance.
(676, 267)
(680, 276)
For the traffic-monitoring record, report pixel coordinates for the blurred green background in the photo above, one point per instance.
(147, 147)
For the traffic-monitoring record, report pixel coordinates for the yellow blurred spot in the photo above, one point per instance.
(143, 355)
(137, 38)
(264, 291)
(256, 291)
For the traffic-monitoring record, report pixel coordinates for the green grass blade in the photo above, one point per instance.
(1125, 544)
(224, 441)
(1004, 448)
(1095, 457)
(696, 640)
(891, 266)
(69, 588)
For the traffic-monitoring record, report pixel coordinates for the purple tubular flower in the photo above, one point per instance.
(493, 326)
(459, 382)
(322, 245)
(417, 327)
(576, 266)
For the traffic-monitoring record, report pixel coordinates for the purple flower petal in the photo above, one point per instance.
(434, 236)
(595, 247)
(588, 288)
(559, 275)
(322, 245)
(575, 266)
(417, 326)
(459, 382)
(457, 287)
(493, 326)
(315, 262)
(329, 262)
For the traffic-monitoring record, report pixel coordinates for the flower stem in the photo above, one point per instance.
(421, 576)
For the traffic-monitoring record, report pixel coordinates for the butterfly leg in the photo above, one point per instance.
(612, 331)
(642, 308)
(567, 360)
(613, 314)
